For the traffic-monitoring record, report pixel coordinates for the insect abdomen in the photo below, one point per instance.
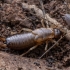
(20, 41)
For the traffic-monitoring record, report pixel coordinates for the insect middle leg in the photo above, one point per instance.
(53, 41)
(46, 46)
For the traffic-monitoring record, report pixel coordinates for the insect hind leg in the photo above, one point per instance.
(27, 29)
(29, 50)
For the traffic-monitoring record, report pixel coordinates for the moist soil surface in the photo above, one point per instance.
(13, 18)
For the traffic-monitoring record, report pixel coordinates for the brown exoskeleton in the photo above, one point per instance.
(30, 40)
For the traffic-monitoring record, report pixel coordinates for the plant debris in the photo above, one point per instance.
(14, 17)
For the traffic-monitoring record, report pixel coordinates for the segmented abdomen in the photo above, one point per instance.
(20, 41)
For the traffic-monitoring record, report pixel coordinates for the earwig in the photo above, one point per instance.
(36, 37)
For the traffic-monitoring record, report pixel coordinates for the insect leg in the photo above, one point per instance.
(27, 29)
(29, 50)
(53, 41)
(52, 46)
(46, 46)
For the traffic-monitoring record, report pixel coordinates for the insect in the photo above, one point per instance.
(31, 39)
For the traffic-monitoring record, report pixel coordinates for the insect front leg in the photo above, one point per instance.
(53, 41)
(29, 50)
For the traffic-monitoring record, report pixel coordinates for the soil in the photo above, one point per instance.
(13, 18)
